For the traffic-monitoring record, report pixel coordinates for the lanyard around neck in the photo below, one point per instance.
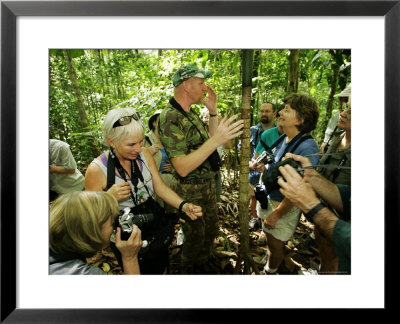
(136, 174)
(178, 107)
(123, 173)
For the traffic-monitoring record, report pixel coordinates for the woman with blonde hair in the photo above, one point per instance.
(128, 172)
(81, 224)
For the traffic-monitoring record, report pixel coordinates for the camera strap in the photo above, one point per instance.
(136, 174)
(178, 107)
(266, 147)
(293, 144)
(325, 166)
(275, 144)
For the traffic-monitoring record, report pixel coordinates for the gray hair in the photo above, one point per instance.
(116, 134)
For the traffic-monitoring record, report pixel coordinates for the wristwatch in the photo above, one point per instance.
(311, 213)
(181, 205)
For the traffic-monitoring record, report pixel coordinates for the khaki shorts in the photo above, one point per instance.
(285, 226)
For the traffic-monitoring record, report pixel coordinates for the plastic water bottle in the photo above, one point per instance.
(180, 238)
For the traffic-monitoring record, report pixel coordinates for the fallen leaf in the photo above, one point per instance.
(106, 267)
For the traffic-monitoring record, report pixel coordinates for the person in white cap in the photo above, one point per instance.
(331, 127)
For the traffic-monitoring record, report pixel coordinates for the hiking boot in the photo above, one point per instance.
(254, 224)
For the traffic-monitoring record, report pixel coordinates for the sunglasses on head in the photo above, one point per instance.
(126, 120)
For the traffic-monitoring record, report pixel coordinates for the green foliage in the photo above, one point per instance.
(142, 79)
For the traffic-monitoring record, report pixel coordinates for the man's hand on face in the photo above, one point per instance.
(211, 100)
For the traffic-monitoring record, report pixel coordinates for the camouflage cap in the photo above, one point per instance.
(189, 71)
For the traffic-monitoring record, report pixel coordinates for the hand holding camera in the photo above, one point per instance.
(303, 161)
(129, 248)
(260, 167)
(266, 158)
(305, 165)
(270, 178)
(252, 165)
(126, 221)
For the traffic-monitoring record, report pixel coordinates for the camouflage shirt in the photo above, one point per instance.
(180, 135)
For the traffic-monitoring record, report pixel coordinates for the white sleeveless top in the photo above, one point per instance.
(142, 194)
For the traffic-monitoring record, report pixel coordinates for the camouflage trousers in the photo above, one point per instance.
(200, 233)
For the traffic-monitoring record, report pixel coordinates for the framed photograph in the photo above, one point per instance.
(30, 28)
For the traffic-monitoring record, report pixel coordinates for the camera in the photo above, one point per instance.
(126, 220)
(270, 177)
(261, 196)
(266, 158)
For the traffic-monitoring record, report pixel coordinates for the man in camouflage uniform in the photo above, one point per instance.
(189, 148)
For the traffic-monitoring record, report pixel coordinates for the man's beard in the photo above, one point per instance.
(265, 120)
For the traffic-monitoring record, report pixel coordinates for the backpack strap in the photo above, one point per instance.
(266, 147)
(275, 144)
(294, 143)
(301, 140)
(110, 173)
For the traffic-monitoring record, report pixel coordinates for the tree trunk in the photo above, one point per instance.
(254, 106)
(244, 250)
(333, 84)
(293, 78)
(74, 80)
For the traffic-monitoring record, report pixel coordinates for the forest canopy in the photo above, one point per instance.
(86, 84)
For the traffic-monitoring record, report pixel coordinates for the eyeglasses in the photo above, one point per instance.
(126, 120)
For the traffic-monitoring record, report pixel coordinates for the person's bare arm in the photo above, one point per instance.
(324, 188)
(60, 169)
(167, 194)
(95, 180)
(226, 130)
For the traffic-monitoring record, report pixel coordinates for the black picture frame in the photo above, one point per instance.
(10, 10)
